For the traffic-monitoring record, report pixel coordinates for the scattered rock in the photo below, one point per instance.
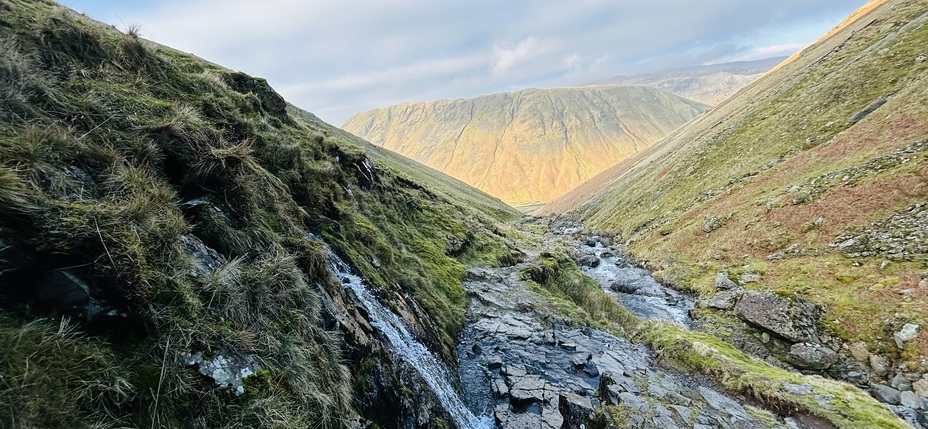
(724, 300)
(624, 286)
(859, 115)
(712, 223)
(910, 399)
(749, 277)
(793, 320)
(588, 260)
(801, 198)
(859, 351)
(879, 365)
(723, 282)
(797, 389)
(908, 333)
(885, 394)
(921, 387)
(227, 368)
(811, 356)
(899, 382)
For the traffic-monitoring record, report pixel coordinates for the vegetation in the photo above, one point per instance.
(827, 147)
(118, 156)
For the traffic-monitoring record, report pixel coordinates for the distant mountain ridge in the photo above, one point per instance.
(531, 145)
(709, 84)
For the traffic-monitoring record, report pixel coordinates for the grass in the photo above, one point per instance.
(113, 148)
(785, 135)
(577, 296)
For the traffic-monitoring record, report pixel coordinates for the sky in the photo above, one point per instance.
(339, 57)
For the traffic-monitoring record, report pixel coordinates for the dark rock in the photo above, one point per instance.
(588, 260)
(204, 259)
(909, 415)
(65, 291)
(575, 410)
(499, 387)
(899, 382)
(860, 114)
(624, 286)
(886, 394)
(793, 320)
(724, 404)
(494, 362)
(723, 282)
(811, 356)
(526, 390)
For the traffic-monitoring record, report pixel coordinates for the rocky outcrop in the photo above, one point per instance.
(528, 146)
(793, 320)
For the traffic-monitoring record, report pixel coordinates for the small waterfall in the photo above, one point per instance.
(432, 370)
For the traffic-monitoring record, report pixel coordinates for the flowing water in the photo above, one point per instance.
(432, 370)
(637, 290)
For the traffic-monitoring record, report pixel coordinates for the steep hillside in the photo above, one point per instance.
(160, 253)
(528, 146)
(812, 183)
(710, 84)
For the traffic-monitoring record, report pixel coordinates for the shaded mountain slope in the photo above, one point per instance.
(706, 84)
(813, 181)
(157, 210)
(527, 146)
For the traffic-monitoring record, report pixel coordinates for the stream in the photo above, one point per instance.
(530, 368)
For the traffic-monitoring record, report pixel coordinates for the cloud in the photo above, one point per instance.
(335, 58)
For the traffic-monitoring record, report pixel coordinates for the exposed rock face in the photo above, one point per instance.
(792, 320)
(528, 146)
(706, 84)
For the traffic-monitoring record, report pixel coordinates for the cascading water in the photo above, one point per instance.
(406, 346)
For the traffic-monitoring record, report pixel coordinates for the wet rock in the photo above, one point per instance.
(811, 356)
(526, 390)
(625, 286)
(724, 300)
(575, 410)
(724, 404)
(588, 260)
(885, 394)
(908, 333)
(723, 282)
(499, 388)
(791, 319)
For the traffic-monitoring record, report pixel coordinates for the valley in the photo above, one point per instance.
(182, 247)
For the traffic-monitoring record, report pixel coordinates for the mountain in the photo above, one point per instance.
(527, 146)
(810, 183)
(169, 232)
(709, 84)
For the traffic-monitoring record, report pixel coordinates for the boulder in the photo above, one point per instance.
(712, 223)
(625, 286)
(588, 260)
(885, 394)
(574, 409)
(723, 282)
(911, 400)
(811, 356)
(908, 333)
(793, 320)
(879, 365)
(724, 300)
(921, 387)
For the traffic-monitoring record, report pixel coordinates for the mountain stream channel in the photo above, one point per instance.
(522, 369)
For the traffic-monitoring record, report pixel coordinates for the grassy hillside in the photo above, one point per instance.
(710, 84)
(813, 177)
(154, 206)
(528, 146)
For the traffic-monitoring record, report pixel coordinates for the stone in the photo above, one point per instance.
(588, 260)
(921, 387)
(899, 382)
(499, 387)
(624, 286)
(859, 351)
(724, 300)
(574, 409)
(811, 356)
(910, 399)
(723, 282)
(793, 320)
(203, 259)
(723, 404)
(797, 389)
(712, 223)
(683, 413)
(908, 333)
(749, 277)
(527, 390)
(885, 394)
(634, 401)
(879, 365)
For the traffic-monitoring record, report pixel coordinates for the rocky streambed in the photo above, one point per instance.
(531, 369)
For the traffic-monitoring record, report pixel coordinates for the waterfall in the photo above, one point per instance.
(404, 343)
